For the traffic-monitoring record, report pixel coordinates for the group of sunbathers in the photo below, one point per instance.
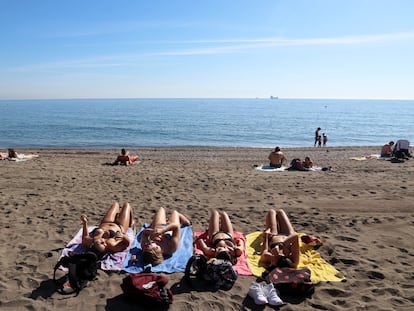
(161, 239)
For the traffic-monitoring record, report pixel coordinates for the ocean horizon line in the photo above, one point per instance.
(208, 98)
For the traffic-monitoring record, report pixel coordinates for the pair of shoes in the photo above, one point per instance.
(272, 297)
(263, 293)
(256, 292)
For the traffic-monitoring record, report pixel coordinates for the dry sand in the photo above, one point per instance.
(363, 210)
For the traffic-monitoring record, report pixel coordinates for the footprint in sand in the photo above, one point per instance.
(346, 238)
(375, 275)
(336, 292)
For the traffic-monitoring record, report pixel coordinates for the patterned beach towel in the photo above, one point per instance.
(175, 263)
(242, 266)
(309, 258)
(110, 261)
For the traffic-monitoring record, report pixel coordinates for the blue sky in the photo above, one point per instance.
(201, 49)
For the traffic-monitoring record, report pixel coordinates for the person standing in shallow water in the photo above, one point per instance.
(324, 139)
(316, 136)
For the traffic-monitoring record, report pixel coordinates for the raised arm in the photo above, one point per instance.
(175, 235)
(207, 250)
(239, 249)
(87, 241)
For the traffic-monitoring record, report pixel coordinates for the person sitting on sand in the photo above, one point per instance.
(307, 164)
(276, 158)
(386, 150)
(12, 154)
(161, 239)
(280, 241)
(110, 236)
(220, 243)
(124, 158)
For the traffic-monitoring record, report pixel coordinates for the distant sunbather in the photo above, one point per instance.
(125, 159)
(220, 243)
(162, 238)
(12, 154)
(110, 236)
(280, 241)
(386, 150)
(307, 164)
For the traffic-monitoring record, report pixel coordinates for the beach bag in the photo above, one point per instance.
(147, 288)
(291, 281)
(217, 273)
(82, 268)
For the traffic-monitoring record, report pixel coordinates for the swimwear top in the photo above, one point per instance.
(280, 244)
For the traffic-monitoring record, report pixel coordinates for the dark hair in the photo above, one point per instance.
(99, 254)
(226, 255)
(285, 262)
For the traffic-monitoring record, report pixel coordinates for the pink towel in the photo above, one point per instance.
(242, 266)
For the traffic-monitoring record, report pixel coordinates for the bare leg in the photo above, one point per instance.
(214, 224)
(226, 224)
(271, 223)
(110, 215)
(184, 221)
(284, 223)
(160, 218)
(174, 218)
(125, 218)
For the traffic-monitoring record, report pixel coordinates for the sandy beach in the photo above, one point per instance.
(363, 211)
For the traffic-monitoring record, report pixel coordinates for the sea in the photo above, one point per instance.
(256, 122)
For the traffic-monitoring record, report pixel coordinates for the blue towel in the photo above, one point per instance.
(175, 263)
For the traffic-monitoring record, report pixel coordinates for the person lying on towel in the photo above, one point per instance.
(110, 236)
(280, 241)
(220, 243)
(161, 239)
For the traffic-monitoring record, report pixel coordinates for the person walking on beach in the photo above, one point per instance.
(316, 136)
(161, 239)
(276, 158)
(324, 139)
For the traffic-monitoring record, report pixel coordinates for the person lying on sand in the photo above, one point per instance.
(220, 243)
(110, 236)
(307, 164)
(12, 154)
(280, 241)
(162, 238)
(125, 159)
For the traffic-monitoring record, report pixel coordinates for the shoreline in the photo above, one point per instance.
(362, 210)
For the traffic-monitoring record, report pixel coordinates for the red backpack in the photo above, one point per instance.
(147, 288)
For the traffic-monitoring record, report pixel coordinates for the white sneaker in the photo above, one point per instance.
(256, 292)
(272, 297)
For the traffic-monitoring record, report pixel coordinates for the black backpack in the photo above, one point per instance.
(217, 273)
(82, 268)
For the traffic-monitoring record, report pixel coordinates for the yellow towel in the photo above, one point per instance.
(309, 258)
